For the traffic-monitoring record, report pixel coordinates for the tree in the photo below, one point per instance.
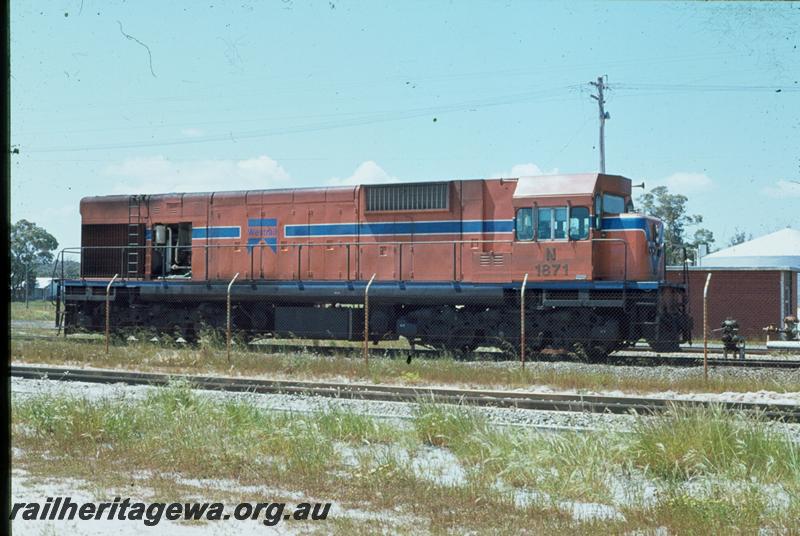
(671, 209)
(30, 247)
(72, 269)
(739, 237)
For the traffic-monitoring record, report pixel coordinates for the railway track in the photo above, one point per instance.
(618, 358)
(715, 349)
(634, 356)
(483, 398)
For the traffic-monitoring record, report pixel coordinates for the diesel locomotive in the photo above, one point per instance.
(448, 261)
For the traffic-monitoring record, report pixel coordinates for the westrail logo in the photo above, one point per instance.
(262, 231)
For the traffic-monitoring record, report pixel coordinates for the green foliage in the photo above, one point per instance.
(688, 471)
(716, 511)
(440, 425)
(30, 247)
(350, 427)
(689, 442)
(739, 237)
(72, 269)
(671, 209)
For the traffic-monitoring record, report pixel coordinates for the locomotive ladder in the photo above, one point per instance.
(134, 239)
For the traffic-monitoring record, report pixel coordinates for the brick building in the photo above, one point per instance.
(756, 282)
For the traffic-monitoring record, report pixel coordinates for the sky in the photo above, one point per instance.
(149, 97)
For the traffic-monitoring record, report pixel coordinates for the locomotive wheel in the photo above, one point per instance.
(670, 335)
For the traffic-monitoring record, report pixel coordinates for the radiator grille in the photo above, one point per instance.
(414, 196)
(103, 251)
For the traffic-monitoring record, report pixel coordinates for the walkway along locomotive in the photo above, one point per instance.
(449, 259)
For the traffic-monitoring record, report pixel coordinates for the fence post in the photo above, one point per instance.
(522, 321)
(366, 320)
(108, 309)
(27, 284)
(705, 327)
(228, 316)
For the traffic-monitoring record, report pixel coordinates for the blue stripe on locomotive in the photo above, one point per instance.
(202, 233)
(399, 228)
(438, 227)
(395, 228)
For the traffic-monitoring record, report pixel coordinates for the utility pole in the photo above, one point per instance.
(600, 85)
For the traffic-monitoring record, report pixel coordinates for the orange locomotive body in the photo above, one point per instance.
(444, 256)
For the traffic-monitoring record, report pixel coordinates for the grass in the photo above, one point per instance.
(711, 472)
(36, 310)
(687, 443)
(349, 427)
(210, 357)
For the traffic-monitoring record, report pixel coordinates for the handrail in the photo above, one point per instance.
(297, 244)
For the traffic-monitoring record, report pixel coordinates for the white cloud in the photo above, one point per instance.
(157, 174)
(688, 182)
(368, 172)
(524, 170)
(783, 188)
(193, 132)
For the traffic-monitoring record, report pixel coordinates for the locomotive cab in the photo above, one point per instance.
(584, 227)
(639, 237)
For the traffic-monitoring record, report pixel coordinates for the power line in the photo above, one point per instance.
(300, 84)
(779, 88)
(381, 117)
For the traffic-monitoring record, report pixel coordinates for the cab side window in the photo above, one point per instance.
(598, 211)
(613, 204)
(560, 223)
(551, 223)
(544, 226)
(579, 223)
(524, 224)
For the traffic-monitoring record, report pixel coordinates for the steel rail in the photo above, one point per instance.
(699, 350)
(621, 358)
(387, 393)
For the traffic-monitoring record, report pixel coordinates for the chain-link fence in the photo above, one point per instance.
(448, 297)
(750, 305)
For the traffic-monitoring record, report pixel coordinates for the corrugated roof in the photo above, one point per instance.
(781, 248)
